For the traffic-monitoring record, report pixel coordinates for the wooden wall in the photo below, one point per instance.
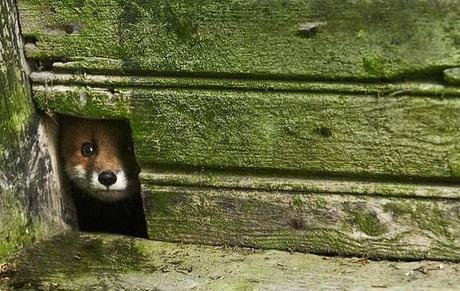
(321, 126)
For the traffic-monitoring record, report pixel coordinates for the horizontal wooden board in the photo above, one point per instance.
(382, 89)
(368, 40)
(228, 180)
(360, 134)
(106, 262)
(329, 221)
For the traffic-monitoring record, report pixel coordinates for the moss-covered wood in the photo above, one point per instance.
(29, 205)
(96, 262)
(307, 216)
(267, 90)
(317, 39)
(339, 133)
(270, 182)
(452, 75)
(380, 89)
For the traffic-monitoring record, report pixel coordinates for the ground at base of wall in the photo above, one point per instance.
(81, 261)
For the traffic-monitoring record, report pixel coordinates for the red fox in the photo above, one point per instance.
(98, 157)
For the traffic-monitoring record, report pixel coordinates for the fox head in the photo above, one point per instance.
(98, 157)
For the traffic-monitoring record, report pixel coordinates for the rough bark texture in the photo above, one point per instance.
(30, 207)
(96, 262)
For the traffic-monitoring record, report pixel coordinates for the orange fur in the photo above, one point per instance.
(113, 153)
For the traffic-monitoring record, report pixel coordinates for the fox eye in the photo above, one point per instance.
(88, 149)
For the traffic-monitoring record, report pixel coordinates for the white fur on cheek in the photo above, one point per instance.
(121, 183)
(78, 175)
(79, 171)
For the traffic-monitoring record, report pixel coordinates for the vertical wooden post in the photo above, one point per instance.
(31, 205)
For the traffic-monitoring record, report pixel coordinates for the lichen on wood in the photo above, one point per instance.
(296, 91)
(333, 220)
(359, 40)
(29, 207)
(452, 76)
(416, 88)
(362, 135)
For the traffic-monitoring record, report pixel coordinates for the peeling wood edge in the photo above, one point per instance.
(51, 79)
(323, 186)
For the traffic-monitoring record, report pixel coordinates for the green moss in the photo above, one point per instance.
(16, 109)
(203, 129)
(68, 264)
(368, 223)
(297, 202)
(427, 217)
(398, 209)
(87, 254)
(395, 39)
(241, 285)
(95, 103)
(432, 219)
(454, 164)
(17, 228)
(161, 201)
(452, 75)
(374, 65)
(320, 202)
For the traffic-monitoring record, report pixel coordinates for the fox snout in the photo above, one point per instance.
(107, 178)
(98, 158)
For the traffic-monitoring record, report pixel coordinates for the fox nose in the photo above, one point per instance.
(107, 178)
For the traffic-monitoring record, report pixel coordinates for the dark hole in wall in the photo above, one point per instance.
(99, 166)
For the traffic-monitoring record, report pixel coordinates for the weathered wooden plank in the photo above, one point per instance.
(29, 205)
(298, 185)
(48, 78)
(325, 221)
(296, 39)
(307, 132)
(95, 262)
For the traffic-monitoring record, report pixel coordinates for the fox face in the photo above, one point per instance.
(98, 157)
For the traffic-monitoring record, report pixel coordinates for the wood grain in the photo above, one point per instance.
(311, 39)
(30, 203)
(331, 221)
(363, 135)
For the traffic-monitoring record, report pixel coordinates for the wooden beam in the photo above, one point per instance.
(363, 135)
(324, 217)
(50, 78)
(312, 39)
